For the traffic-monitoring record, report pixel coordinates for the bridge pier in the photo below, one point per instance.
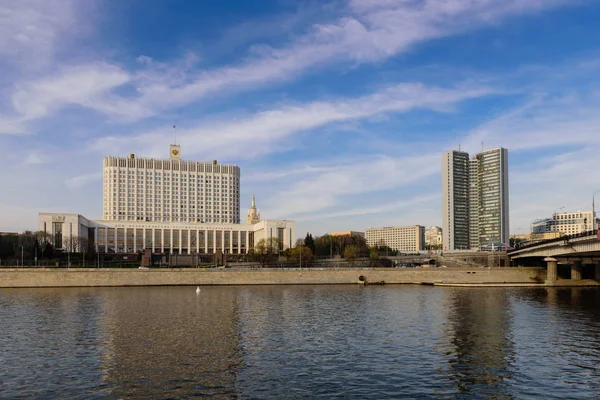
(597, 274)
(552, 270)
(576, 270)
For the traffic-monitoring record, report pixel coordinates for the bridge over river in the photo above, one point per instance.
(581, 252)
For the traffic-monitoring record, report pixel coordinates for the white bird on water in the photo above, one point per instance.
(197, 289)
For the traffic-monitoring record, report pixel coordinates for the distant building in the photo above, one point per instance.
(433, 236)
(404, 239)
(348, 233)
(253, 213)
(474, 199)
(541, 225)
(568, 223)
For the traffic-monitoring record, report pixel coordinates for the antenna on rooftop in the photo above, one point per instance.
(459, 147)
(175, 130)
(481, 146)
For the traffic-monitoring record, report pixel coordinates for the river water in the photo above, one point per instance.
(295, 342)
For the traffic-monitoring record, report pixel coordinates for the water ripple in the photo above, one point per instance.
(300, 342)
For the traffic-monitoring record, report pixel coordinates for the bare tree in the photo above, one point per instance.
(265, 251)
(71, 243)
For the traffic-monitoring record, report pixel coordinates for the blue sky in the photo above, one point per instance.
(337, 112)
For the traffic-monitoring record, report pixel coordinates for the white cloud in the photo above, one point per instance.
(30, 30)
(368, 32)
(322, 191)
(265, 131)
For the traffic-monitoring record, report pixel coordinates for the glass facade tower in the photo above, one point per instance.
(483, 209)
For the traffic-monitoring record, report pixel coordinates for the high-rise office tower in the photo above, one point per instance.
(173, 190)
(475, 199)
(491, 184)
(455, 200)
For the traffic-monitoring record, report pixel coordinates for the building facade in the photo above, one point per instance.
(405, 239)
(168, 206)
(567, 223)
(475, 199)
(170, 190)
(74, 232)
(348, 233)
(433, 236)
(455, 200)
(490, 213)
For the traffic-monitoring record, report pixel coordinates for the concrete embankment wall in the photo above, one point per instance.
(158, 277)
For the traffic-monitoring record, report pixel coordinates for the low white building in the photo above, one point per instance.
(405, 238)
(74, 232)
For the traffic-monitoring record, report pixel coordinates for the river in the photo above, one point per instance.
(298, 342)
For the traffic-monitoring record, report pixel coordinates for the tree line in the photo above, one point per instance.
(350, 248)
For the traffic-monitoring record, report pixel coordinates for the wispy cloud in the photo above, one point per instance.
(324, 191)
(30, 30)
(368, 31)
(263, 132)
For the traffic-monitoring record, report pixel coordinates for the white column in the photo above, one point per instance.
(106, 240)
(134, 240)
(153, 241)
(144, 239)
(215, 241)
(230, 233)
(239, 242)
(247, 241)
(96, 238)
(162, 240)
(198, 241)
(180, 241)
(116, 240)
(171, 240)
(206, 241)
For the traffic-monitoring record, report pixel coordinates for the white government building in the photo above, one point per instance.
(169, 206)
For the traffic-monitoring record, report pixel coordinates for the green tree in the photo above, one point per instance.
(309, 242)
(374, 257)
(351, 253)
(324, 246)
(265, 251)
(301, 254)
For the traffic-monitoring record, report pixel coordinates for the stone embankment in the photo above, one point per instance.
(39, 277)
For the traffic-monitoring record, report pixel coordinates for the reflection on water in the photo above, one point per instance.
(300, 342)
(170, 342)
(480, 348)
